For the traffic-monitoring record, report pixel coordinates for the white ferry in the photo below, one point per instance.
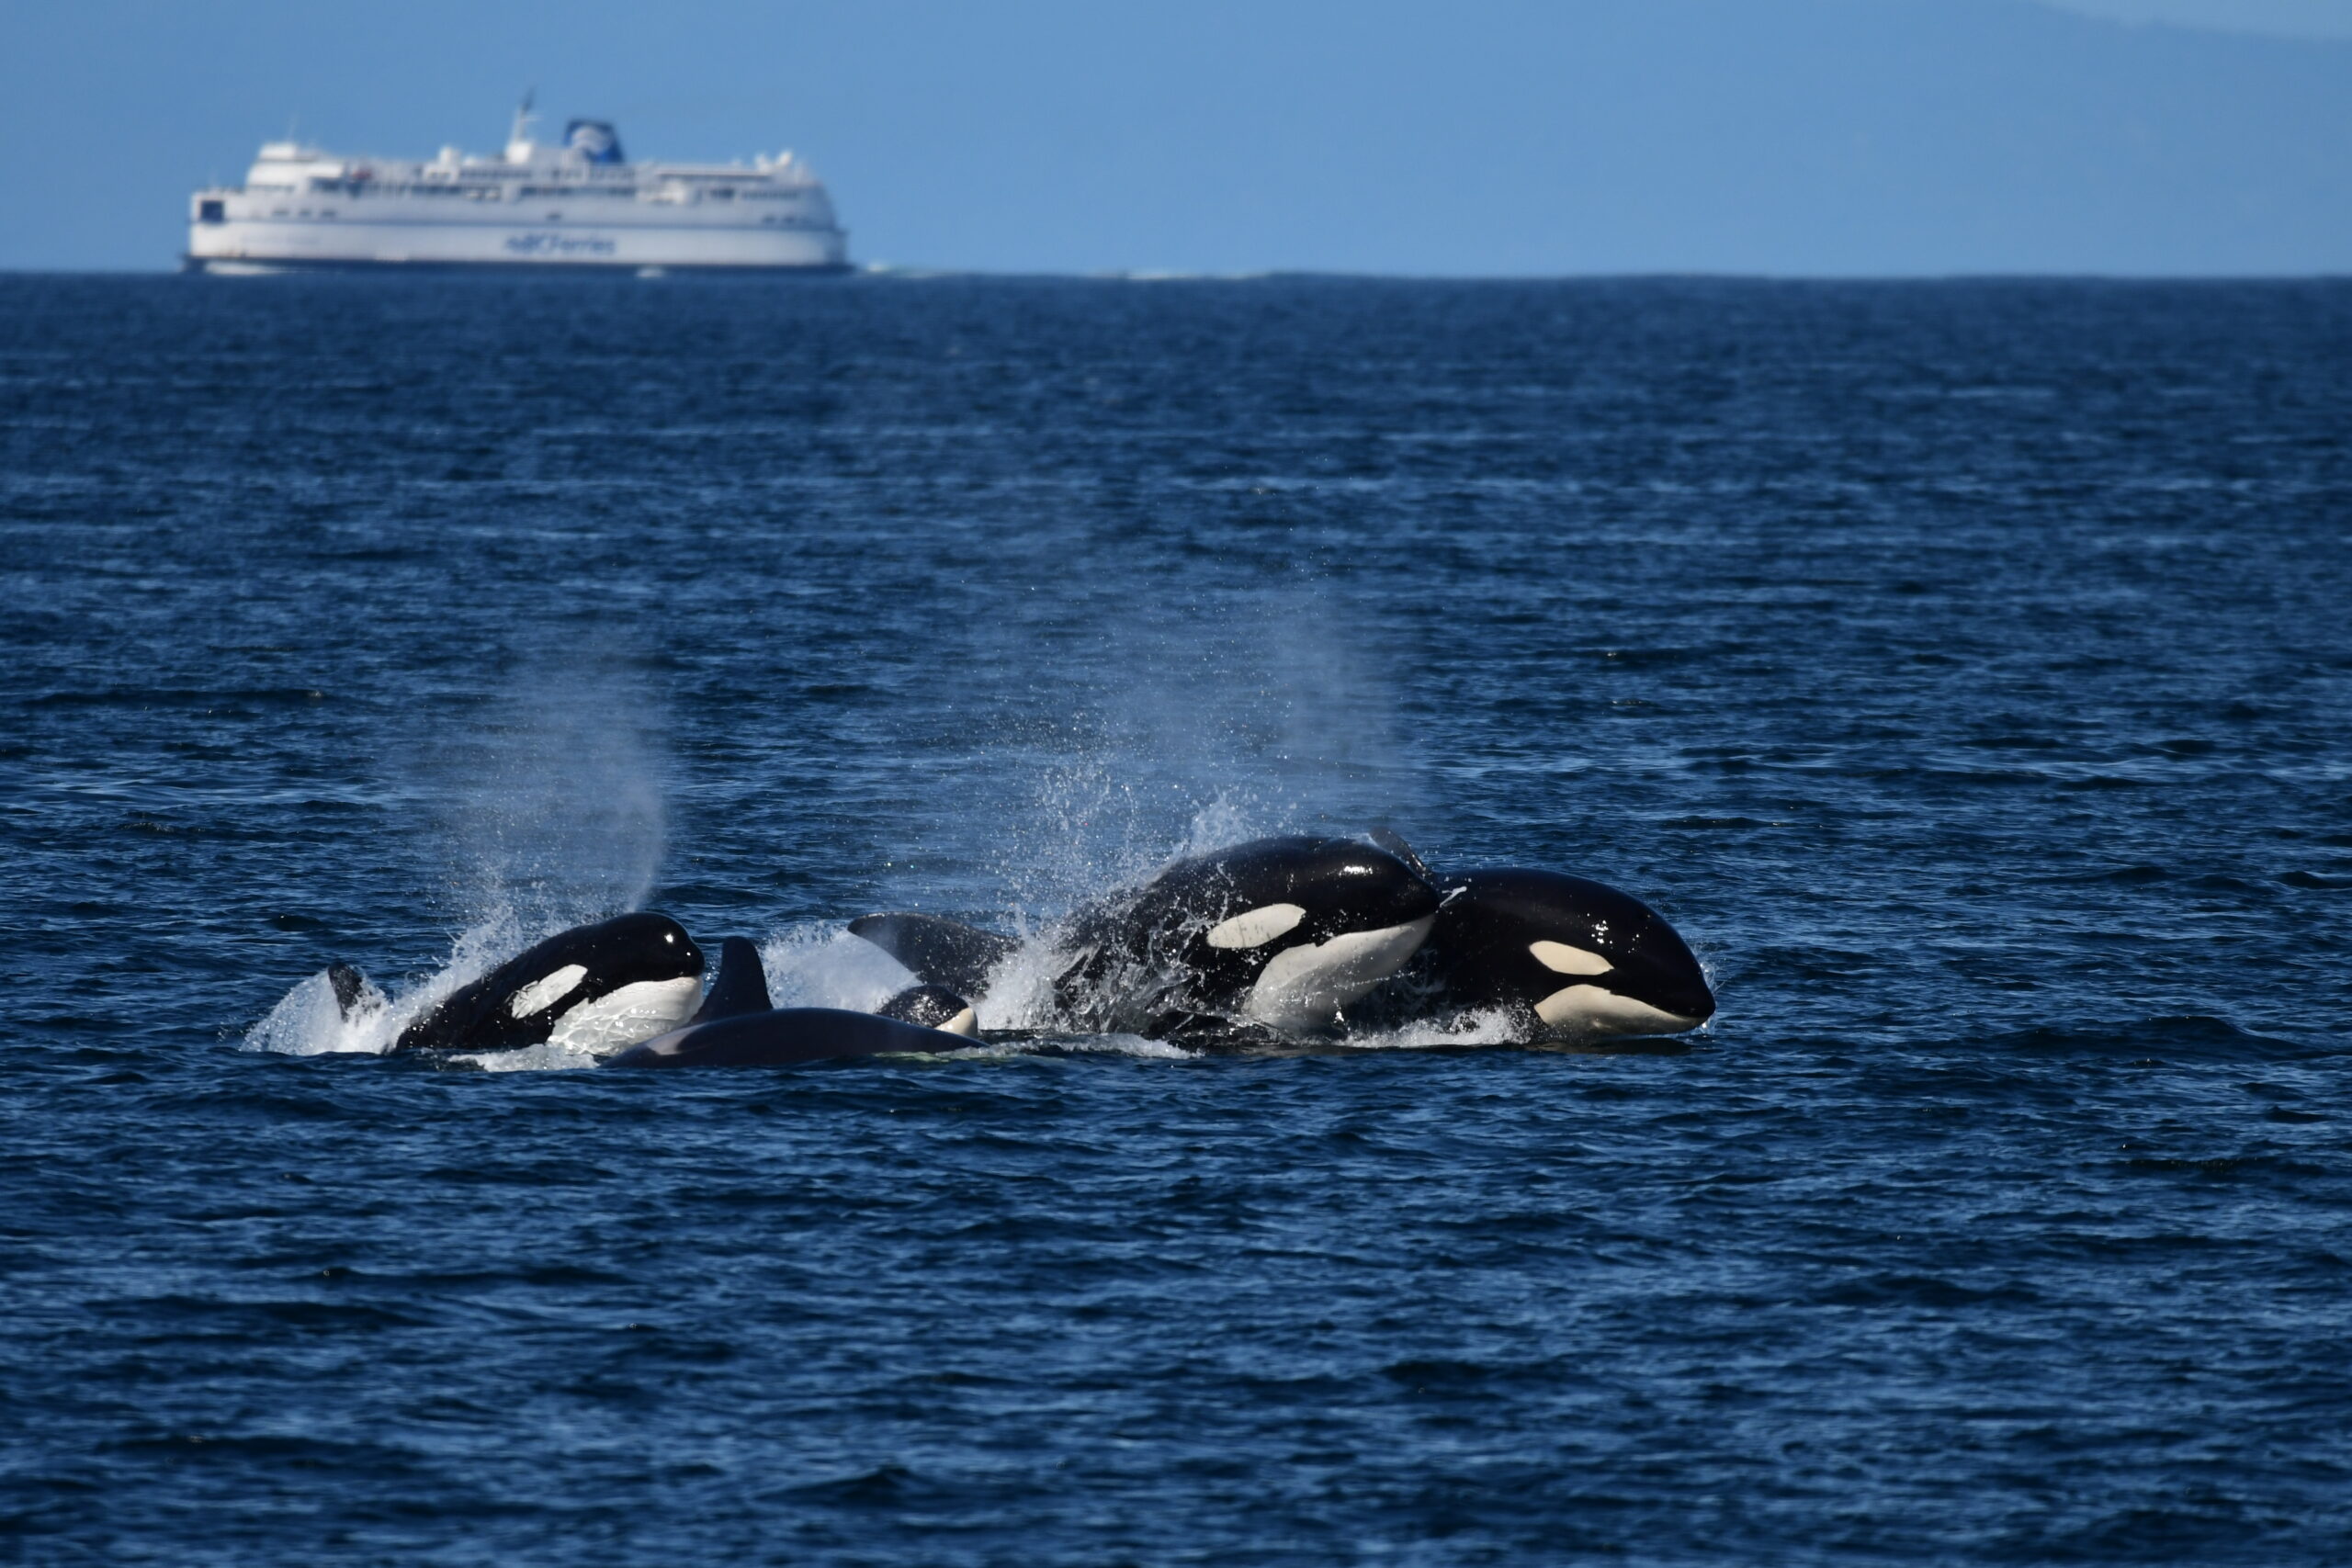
(577, 206)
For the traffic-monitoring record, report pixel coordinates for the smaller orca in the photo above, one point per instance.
(618, 981)
(1562, 955)
(785, 1037)
(933, 1007)
(1583, 958)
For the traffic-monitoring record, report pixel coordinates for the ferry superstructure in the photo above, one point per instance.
(576, 205)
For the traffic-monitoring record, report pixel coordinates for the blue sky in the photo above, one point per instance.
(2285, 18)
(1500, 136)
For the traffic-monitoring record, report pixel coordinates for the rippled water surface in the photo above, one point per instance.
(1964, 668)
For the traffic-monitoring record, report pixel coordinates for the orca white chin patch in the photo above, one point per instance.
(1255, 928)
(1561, 959)
(1305, 986)
(625, 1016)
(966, 1023)
(546, 990)
(1589, 1009)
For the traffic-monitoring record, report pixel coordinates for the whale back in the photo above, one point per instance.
(938, 952)
(787, 1037)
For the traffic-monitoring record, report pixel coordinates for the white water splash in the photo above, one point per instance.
(307, 1023)
(1491, 1026)
(1223, 822)
(1019, 992)
(552, 1057)
(1087, 1045)
(818, 965)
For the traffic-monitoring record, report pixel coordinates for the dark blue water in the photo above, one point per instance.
(1965, 668)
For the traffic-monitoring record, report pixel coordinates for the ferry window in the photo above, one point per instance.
(212, 212)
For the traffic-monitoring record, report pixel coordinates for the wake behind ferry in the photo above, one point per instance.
(576, 206)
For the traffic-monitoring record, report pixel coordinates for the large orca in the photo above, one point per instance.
(1559, 955)
(1283, 932)
(785, 1037)
(610, 984)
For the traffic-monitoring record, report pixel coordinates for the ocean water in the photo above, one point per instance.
(1965, 668)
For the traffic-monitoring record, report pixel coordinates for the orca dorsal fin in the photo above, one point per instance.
(940, 953)
(740, 987)
(1393, 843)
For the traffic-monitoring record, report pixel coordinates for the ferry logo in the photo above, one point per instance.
(594, 139)
(549, 244)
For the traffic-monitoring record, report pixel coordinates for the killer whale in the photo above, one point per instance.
(740, 988)
(758, 1032)
(1580, 958)
(1561, 956)
(618, 982)
(785, 1037)
(1282, 932)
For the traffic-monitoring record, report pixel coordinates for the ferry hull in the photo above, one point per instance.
(247, 247)
(217, 267)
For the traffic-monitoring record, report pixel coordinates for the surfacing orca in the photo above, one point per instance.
(741, 987)
(609, 984)
(1283, 932)
(1279, 931)
(785, 1037)
(1562, 956)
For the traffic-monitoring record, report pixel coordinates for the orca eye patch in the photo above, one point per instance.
(1561, 959)
(540, 992)
(1254, 928)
